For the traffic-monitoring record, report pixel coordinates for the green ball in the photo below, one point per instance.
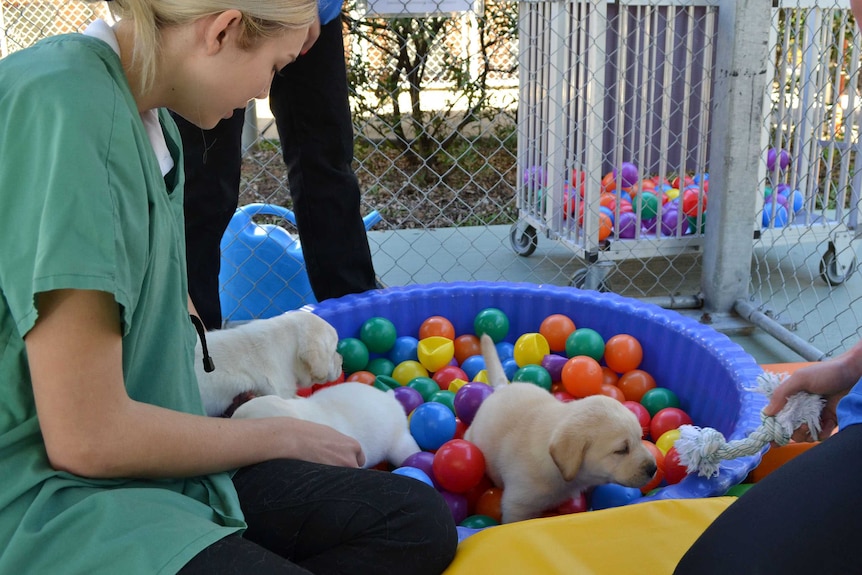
(385, 383)
(536, 374)
(354, 354)
(380, 366)
(425, 386)
(658, 398)
(378, 334)
(493, 322)
(646, 204)
(445, 397)
(695, 226)
(585, 341)
(478, 522)
(739, 490)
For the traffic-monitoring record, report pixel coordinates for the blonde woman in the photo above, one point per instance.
(108, 464)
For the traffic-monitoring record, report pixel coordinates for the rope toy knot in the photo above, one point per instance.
(702, 449)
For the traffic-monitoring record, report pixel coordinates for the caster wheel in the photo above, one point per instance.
(524, 241)
(580, 278)
(830, 270)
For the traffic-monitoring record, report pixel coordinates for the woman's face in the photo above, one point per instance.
(223, 84)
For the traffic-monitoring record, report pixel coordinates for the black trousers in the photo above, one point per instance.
(310, 518)
(309, 101)
(805, 517)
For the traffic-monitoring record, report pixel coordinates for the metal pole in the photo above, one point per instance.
(740, 86)
(751, 314)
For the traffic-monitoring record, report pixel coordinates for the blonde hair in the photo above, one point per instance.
(260, 19)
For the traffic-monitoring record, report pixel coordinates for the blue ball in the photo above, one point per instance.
(510, 368)
(415, 473)
(797, 200)
(404, 349)
(608, 212)
(505, 350)
(613, 495)
(432, 424)
(780, 219)
(473, 365)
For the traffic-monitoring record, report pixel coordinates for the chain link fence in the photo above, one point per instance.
(497, 143)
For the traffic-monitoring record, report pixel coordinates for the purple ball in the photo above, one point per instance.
(534, 177)
(423, 460)
(457, 505)
(780, 198)
(409, 398)
(628, 175)
(554, 364)
(649, 225)
(469, 398)
(782, 156)
(628, 225)
(783, 189)
(669, 222)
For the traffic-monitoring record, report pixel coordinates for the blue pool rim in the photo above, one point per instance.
(712, 375)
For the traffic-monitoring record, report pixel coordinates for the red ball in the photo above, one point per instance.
(674, 471)
(466, 345)
(447, 373)
(577, 504)
(641, 413)
(667, 419)
(458, 465)
(690, 201)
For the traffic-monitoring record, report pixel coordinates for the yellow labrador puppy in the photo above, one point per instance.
(271, 356)
(542, 451)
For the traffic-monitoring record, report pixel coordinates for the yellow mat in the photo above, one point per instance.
(645, 539)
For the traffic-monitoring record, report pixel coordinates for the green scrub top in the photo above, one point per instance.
(84, 205)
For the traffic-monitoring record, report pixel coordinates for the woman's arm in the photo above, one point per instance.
(92, 428)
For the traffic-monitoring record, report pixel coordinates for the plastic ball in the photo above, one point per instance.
(445, 397)
(627, 225)
(556, 328)
(674, 470)
(426, 386)
(505, 350)
(627, 175)
(646, 204)
(535, 374)
(457, 503)
(489, 503)
(362, 376)
(404, 349)
(465, 346)
(582, 376)
(469, 398)
(666, 419)
(458, 465)
(510, 367)
(606, 226)
(378, 334)
(797, 200)
(386, 382)
(585, 341)
(641, 413)
(613, 495)
(781, 157)
(381, 366)
(609, 376)
(408, 370)
(609, 183)
(493, 322)
(409, 398)
(554, 364)
(671, 223)
(446, 374)
(415, 473)
(667, 440)
(696, 225)
(659, 398)
(779, 220)
(436, 325)
(478, 522)
(473, 365)
(658, 477)
(530, 348)
(635, 384)
(649, 225)
(623, 353)
(534, 177)
(423, 460)
(435, 352)
(608, 211)
(693, 202)
(432, 425)
(577, 504)
(457, 384)
(354, 354)
(613, 391)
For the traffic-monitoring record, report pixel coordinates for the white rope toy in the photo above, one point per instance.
(702, 449)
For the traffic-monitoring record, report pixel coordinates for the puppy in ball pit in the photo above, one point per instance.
(542, 451)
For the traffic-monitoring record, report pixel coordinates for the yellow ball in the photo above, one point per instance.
(408, 370)
(667, 439)
(456, 384)
(435, 352)
(482, 376)
(530, 349)
(672, 194)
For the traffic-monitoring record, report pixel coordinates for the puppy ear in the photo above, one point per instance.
(567, 449)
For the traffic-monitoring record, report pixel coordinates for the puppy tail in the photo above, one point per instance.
(493, 365)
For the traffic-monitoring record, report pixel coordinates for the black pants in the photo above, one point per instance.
(310, 518)
(805, 517)
(309, 101)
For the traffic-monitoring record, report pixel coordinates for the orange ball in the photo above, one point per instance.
(582, 376)
(635, 384)
(465, 346)
(623, 353)
(609, 376)
(489, 503)
(613, 391)
(609, 183)
(557, 328)
(659, 461)
(605, 227)
(365, 377)
(436, 325)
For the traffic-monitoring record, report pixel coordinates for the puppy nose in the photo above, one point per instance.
(650, 468)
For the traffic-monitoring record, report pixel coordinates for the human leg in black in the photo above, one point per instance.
(212, 161)
(337, 520)
(804, 517)
(309, 102)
